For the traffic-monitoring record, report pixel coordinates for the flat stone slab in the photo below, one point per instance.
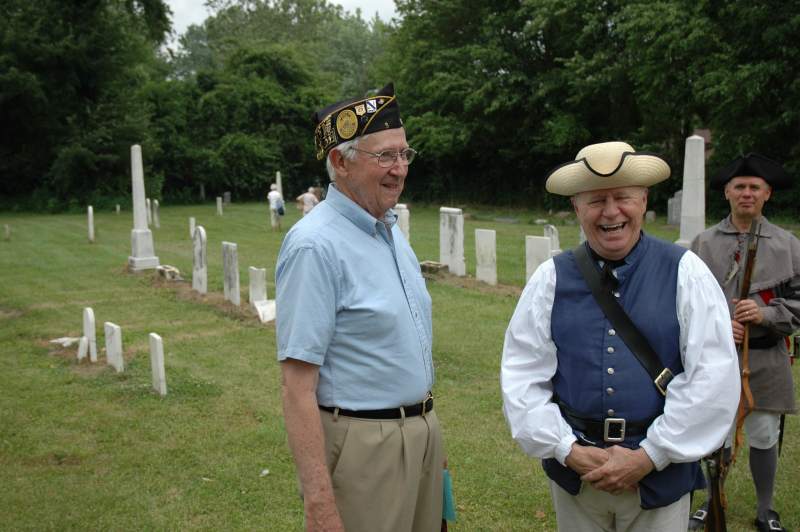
(430, 266)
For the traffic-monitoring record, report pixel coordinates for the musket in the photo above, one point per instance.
(746, 400)
(717, 466)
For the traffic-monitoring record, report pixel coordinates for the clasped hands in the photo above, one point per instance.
(745, 311)
(614, 469)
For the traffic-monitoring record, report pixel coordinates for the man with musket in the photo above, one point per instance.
(617, 360)
(771, 311)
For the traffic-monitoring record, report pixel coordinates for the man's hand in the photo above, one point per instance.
(747, 311)
(623, 470)
(323, 517)
(738, 332)
(583, 459)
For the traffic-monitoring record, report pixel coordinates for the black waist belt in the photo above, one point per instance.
(416, 409)
(765, 342)
(610, 429)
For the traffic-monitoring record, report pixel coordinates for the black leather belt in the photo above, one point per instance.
(610, 429)
(765, 342)
(416, 409)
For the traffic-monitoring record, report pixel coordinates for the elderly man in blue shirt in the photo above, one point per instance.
(354, 336)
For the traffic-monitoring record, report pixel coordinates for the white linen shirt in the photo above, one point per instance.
(700, 404)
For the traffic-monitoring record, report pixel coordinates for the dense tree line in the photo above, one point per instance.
(493, 92)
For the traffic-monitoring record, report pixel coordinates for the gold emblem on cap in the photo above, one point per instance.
(346, 124)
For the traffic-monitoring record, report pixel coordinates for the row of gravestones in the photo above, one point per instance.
(87, 347)
(152, 217)
(265, 308)
(451, 247)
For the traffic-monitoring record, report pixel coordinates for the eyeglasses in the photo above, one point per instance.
(386, 159)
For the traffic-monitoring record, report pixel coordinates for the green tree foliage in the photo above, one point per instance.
(494, 93)
(67, 114)
(232, 129)
(499, 92)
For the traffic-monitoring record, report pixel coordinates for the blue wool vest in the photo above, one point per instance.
(599, 377)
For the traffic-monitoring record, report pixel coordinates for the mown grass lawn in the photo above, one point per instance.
(82, 447)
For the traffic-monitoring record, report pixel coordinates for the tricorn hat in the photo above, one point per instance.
(607, 165)
(348, 119)
(753, 164)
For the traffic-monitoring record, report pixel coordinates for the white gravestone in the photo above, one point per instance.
(83, 348)
(403, 220)
(279, 182)
(537, 251)
(264, 307)
(551, 232)
(7, 230)
(142, 250)
(89, 333)
(149, 206)
(650, 216)
(90, 223)
(114, 358)
(230, 273)
(693, 201)
(200, 261)
(581, 236)
(486, 256)
(226, 198)
(156, 220)
(117, 209)
(219, 206)
(674, 208)
(157, 364)
(192, 225)
(451, 240)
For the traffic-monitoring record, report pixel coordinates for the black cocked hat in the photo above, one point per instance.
(753, 164)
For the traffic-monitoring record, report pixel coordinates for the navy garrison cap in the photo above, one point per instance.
(348, 119)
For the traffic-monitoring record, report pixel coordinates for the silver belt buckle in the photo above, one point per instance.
(612, 423)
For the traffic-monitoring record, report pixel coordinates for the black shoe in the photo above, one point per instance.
(771, 524)
(698, 519)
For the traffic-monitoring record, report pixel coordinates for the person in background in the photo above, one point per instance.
(619, 441)
(276, 209)
(307, 200)
(772, 312)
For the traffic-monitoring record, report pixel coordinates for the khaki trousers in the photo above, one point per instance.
(387, 474)
(595, 510)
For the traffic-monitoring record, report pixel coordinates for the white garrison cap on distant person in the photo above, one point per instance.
(607, 165)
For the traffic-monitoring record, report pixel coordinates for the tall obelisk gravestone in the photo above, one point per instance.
(693, 201)
(142, 251)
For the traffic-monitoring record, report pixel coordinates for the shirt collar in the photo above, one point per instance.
(356, 214)
(633, 255)
(726, 226)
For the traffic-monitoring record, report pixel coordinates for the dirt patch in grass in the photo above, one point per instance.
(9, 313)
(471, 283)
(184, 292)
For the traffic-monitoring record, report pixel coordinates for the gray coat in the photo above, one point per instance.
(777, 269)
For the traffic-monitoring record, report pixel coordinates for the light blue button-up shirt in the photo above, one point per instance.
(351, 299)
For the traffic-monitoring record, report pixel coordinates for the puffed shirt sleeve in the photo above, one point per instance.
(527, 367)
(701, 402)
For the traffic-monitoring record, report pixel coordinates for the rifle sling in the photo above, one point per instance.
(632, 337)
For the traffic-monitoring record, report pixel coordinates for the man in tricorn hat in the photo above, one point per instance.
(772, 311)
(616, 361)
(354, 336)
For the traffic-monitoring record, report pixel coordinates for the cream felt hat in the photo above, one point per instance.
(607, 165)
